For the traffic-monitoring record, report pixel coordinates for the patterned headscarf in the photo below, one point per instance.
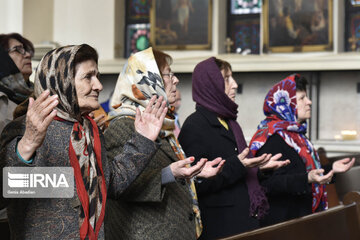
(208, 91)
(139, 80)
(56, 72)
(12, 82)
(280, 109)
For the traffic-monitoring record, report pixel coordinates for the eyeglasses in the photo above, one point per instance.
(170, 74)
(20, 49)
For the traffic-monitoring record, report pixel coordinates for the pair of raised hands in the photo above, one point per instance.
(264, 162)
(339, 166)
(207, 169)
(149, 124)
(42, 111)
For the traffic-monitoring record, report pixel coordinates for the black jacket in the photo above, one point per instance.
(288, 190)
(223, 199)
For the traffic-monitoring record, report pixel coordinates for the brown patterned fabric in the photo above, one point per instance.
(56, 73)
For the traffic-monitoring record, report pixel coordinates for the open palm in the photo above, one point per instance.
(275, 163)
(212, 168)
(343, 165)
(149, 122)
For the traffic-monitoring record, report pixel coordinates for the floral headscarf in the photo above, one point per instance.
(56, 73)
(280, 109)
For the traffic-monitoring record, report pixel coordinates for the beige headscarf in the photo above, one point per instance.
(137, 83)
(139, 80)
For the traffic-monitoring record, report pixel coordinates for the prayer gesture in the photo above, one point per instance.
(183, 168)
(274, 164)
(210, 170)
(253, 162)
(203, 168)
(316, 176)
(38, 118)
(343, 165)
(149, 123)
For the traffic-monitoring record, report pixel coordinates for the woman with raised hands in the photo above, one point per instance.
(162, 201)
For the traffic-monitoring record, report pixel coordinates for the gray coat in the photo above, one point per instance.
(57, 218)
(147, 209)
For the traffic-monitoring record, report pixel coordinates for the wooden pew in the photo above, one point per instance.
(341, 222)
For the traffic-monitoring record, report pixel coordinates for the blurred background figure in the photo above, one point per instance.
(15, 70)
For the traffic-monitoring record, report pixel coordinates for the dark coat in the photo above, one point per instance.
(223, 199)
(288, 190)
(148, 209)
(57, 218)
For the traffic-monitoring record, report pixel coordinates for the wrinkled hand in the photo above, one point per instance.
(343, 165)
(181, 169)
(210, 170)
(316, 176)
(39, 115)
(253, 162)
(99, 120)
(149, 123)
(274, 164)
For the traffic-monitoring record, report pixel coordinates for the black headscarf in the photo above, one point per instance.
(12, 82)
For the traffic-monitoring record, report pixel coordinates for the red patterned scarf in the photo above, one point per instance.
(85, 158)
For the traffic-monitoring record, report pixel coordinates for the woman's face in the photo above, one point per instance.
(23, 62)
(230, 84)
(170, 82)
(303, 106)
(87, 86)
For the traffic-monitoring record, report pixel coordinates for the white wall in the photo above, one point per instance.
(38, 20)
(86, 21)
(11, 16)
